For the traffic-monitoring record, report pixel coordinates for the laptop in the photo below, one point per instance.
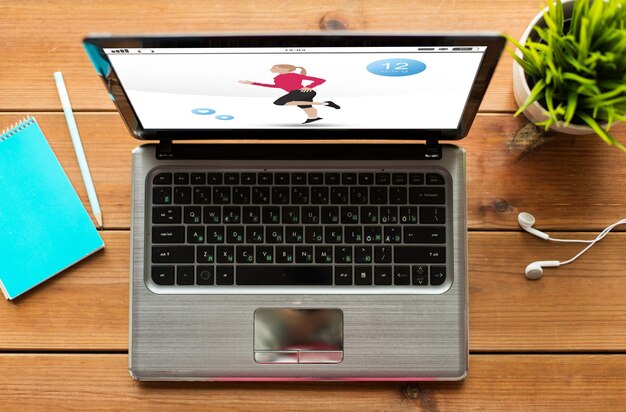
(326, 254)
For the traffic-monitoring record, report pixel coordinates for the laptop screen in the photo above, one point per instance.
(291, 88)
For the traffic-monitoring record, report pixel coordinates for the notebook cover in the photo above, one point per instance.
(44, 227)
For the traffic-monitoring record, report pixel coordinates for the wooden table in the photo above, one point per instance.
(555, 343)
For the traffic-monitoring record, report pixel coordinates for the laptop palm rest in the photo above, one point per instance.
(287, 335)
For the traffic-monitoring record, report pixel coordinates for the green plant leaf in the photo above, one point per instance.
(535, 94)
(601, 132)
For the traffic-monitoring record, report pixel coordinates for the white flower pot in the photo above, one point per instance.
(535, 112)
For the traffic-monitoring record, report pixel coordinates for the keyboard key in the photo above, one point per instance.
(202, 195)
(369, 214)
(432, 215)
(388, 214)
(382, 254)
(392, 234)
(192, 214)
(333, 234)
(266, 178)
(241, 195)
(245, 254)
(163, 275)
(420, 275)
(221, 195)
(212, 214)
(427, 195)
(294, 234)
(419, 254)
(416, 178)
(224, 275)
(397, 195)
(366, 178)
(182, 195)
(343, 254)
(437, 275)
(198, 178)
(435, 179)
(363, 254)
(298, 178)
(234, 234)
(288, 275)
(248, 179)
(310, 215)
(408, 214)
(362, 275)
(181, 178)
(215, 179)
(330, 214)
(265, 254)
(271, 214)
(254, 234)
(231, 178)
(232, 214)
(313, 234)
(171, 214)
(280, 195)
(358, 195)
(281, 178)
(373, 234)
(274, 234)
(195, 234)
(348, 178)
(215, 234)
(205, 275)
(323, 254)
(300, 195)
(401, 275)
(349, 214)
(353, 234)
(225, 254)
(284, 254)
(185, 275)
(260, 195)
(424, 234)
(378, 195)
(339, 195)
(319, 195)
(251, 214)
(332, 179)
(162, 179)
(172, 254)
(291, 215)
(382, 275)
(168, 234)
(383, 178)
(399, 178)
(343, 275)
(161, 195)
(205, 254)
(316, 178)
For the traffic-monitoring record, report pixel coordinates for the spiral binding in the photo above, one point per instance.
(15, 128)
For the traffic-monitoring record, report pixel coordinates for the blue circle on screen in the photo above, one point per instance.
(224, 117)
(203, 111)
(396, 67)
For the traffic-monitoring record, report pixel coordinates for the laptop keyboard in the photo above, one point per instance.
(297, 228)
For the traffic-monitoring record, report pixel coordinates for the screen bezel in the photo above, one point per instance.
(494, 42)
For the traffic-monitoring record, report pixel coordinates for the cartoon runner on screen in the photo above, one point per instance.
(297, 94)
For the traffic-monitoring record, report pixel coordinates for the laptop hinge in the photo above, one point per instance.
(164, 149)
(433, 149)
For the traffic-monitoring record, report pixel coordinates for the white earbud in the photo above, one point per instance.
(535, 269)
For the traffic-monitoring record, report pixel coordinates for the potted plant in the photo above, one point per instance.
(569, 73)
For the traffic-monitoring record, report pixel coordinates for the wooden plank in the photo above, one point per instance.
(579, 307)
(49, 43)
(569, 183)
(495, 382)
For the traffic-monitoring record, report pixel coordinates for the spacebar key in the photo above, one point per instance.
(284, 275)
(419, 254)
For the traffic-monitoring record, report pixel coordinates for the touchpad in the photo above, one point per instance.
(287, 335)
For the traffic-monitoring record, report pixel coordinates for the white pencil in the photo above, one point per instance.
(78, 147)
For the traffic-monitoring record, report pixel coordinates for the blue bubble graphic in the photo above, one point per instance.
(396, 67)
(203, 111)
(224, 117)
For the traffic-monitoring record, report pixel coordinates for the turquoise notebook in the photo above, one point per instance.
(44, 227)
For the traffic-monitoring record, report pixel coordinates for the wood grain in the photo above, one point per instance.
(496, 382)
(581, 307)
(51, 40)
(570, 183)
